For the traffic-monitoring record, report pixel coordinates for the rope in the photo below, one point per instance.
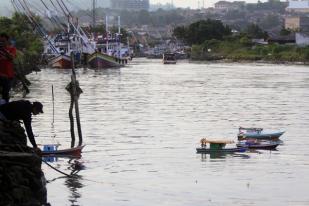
(73, 175)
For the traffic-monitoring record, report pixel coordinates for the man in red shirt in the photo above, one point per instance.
(7, 55)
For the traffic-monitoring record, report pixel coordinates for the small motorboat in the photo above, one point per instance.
(169, 58)
(218, 146)
(258, 144)
(53, 151)
(258, 133)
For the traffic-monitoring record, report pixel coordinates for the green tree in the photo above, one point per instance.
(26, 40)
(270, 21)
(254, 31)
(198, 32)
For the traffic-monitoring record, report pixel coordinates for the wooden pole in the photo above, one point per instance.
(76, 94)
(69, 88)
(72, 121)
(53, 100)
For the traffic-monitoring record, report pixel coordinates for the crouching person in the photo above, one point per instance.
(22, 110)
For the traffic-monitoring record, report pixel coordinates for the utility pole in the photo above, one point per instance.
(93, 13)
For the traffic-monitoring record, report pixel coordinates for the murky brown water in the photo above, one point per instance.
(141, 125)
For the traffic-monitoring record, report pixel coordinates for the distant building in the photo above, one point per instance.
(226, 5)
(297, 23)
(279, 39)
(301, 6)
(130, 4)
(302, 39)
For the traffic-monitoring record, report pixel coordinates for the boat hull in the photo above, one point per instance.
(264, 146)
(268, 136)
(75, 151)
(102, 61)
(61, 62)
(225, 150)
(169, 62)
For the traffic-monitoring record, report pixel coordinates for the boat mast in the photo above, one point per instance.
(119, 36)
(107, 35)
(68, 36)
(93, 13)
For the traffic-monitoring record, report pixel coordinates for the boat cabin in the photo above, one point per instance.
(250, 130)
(215, 144)
(169, 58)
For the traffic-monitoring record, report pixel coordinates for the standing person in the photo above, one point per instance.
(7, 55)
(22, 110)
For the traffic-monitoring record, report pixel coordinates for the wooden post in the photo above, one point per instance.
(76, 94)
(72, 120)
(53, 100)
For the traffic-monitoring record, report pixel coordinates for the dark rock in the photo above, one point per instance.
(22, 181)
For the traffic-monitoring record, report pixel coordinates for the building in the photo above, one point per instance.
(301, 6)
(226, 5)
(130, 4)
(302, 39)
(297, 23)
(279, 39)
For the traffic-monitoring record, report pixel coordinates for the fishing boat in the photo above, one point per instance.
(61, 61)
(99, 60)
(218, 146)
(258, 144)
(169, 58)
(258, 133)
(109, 52)
(53, 151)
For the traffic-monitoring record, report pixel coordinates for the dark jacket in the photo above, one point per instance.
(20, 110)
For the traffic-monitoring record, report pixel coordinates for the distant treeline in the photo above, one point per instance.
(211, 40)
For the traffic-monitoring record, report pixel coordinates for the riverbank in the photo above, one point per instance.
(239, 49)
(22, 181)
(222, 61)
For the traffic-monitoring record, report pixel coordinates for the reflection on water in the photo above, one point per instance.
(220, 155)
(142, 123)
(73, 182)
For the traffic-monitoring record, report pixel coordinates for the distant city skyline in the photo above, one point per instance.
(194, 3)
(6, 7)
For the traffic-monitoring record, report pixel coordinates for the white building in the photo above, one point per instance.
(302, 39)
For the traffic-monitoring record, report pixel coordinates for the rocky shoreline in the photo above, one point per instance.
(22, 181)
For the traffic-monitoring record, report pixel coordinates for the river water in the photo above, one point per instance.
(142, 123)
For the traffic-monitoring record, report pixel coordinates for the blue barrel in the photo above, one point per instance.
(49, 147)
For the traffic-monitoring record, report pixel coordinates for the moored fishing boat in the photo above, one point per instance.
(258, 133)
(258, 144)
(169, 58)
(109, 52)
(61, 62)
(218, 146)
(99, 60)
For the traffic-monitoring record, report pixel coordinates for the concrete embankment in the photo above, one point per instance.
(22, 181)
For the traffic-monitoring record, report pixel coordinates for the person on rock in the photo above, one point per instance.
(22, 110)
